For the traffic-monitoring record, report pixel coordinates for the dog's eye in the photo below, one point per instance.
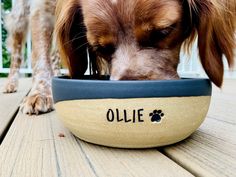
(159, 34)
(156, 35)
(106, 50)
(162, 33)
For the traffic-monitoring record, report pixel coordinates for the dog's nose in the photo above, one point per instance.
(127, 76)
(113, 78)
(116, 78)
(144, 76)
(130, 78)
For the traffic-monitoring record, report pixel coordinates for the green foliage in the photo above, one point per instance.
(5, 54)
(6, 5)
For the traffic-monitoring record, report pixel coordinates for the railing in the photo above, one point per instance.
(26, 66)
(189, 65)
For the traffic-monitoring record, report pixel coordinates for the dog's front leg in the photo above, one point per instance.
(39, 99)
(16, 24)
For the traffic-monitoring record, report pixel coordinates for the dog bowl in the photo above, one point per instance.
(131, 114)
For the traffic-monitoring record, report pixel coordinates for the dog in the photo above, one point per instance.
(127, 39)
(141, 39)
(37, 15)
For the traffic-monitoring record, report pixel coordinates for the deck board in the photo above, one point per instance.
(33, 147)
(224, 102)
(9, 103)
(211, 150)
(130, 163)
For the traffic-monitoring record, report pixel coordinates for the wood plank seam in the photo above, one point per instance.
(4, 133)
(162, 151)
(87, 159)
(13, 116)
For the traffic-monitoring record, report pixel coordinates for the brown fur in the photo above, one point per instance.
(214, 22)
(40, 13)
(141, 39)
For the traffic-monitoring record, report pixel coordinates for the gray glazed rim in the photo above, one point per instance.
(64, 88)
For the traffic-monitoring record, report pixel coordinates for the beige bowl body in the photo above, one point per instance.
(134, 122)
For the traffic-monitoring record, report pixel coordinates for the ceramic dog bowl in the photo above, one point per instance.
(131, 114)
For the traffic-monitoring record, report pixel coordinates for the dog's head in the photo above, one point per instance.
(141, 39)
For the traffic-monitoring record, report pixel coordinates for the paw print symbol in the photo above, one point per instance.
(156, 116)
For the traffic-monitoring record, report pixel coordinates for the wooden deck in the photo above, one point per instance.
(31, 145)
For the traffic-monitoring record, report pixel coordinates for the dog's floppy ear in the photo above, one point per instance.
(71, 36)
(214, 21)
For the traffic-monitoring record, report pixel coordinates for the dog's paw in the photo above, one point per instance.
(36, 104)
(10, 87)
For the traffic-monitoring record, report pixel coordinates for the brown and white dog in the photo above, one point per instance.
(141, 39)
(38, 15)
(128, 39)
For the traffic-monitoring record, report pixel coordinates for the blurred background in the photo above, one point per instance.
(189, 64)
